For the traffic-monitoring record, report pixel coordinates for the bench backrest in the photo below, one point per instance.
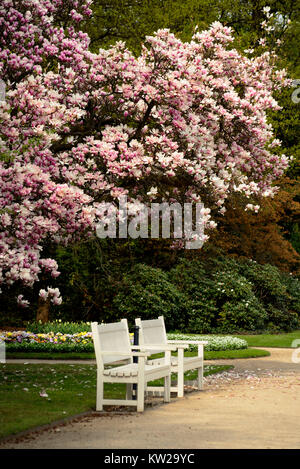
(111, 337)
(152, 331)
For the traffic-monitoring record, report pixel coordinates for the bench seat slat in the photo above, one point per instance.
(132, 369)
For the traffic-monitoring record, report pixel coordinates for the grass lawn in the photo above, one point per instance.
(38, 394)
(271, 340)
(208, 355)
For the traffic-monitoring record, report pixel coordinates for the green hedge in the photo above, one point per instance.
(222, 296)
(226, 295)
(148, 293)
(215, 295)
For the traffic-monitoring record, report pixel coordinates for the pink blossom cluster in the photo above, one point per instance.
(31, 34)
(182, 122)
(51, 293)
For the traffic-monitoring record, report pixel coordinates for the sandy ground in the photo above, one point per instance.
(257, 405)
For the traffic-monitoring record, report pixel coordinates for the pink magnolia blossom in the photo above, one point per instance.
(51, 293)
(183, 121)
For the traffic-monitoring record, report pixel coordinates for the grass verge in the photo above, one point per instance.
(209, 355)
(38, 394)
(282, 340)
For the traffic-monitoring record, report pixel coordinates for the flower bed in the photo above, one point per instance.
(215, 342)
(82, 341)
(49, 342)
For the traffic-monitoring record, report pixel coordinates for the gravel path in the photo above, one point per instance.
(256, 405)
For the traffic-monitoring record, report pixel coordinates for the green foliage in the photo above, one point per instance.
(235, 296)
(147, 292)
(242, 316)
(277, 292)
(191, 280)
(239, 308)
(132, 20)
(218, 299)
(266, 281)
(64, 327)
(90, 275)
(279, 320)
(292, 286)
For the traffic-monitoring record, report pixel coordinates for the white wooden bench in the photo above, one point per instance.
(112, 345)
(153, 331)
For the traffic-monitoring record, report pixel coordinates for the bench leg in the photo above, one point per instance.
(140, 398)
(200, 370)
(100, 389)
(141, 385)
(167, 388)
(180, 374)
(200, 378)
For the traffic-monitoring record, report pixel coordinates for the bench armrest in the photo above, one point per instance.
(188, 342)
(164, 347)
(124, 354)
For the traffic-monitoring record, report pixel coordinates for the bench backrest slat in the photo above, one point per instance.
(112, 336)
(152, 331)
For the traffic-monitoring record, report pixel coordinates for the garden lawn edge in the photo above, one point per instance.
(210, 355)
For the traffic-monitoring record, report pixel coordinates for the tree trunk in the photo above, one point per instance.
(43, 310)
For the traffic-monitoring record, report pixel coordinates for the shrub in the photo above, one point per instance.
(267, 282)
(278, 292)
(219, 298)
(200, 315)
(192, 281)
(279, 320)
(239, 309)
(147, 292)
(242, 316)
(292, 285)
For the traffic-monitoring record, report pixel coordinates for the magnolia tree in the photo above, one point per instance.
(182, 122)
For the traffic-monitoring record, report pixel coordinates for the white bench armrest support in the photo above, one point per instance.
(124, 354)
(188, 342)
(164, 347)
